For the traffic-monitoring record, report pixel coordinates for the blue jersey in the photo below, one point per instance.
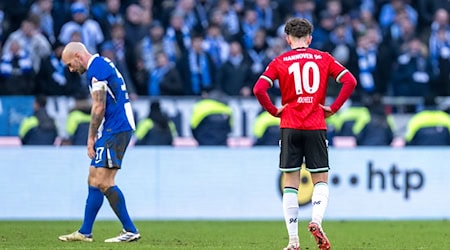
(118, 114)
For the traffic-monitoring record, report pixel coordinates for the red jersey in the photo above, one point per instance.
(303, 78)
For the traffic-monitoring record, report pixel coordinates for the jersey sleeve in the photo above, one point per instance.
(336, 70)
(270, 74)
(345, 77)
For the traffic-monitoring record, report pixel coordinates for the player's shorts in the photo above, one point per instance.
(110, 149)
(310, 145)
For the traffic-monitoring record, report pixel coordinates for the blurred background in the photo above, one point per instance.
(190, 66)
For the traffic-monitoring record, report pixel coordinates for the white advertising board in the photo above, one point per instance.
(225, 183)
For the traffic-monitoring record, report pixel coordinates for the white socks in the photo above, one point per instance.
(319, 202)
(290, 209)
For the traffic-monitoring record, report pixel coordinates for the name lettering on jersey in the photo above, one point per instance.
(305, 99)
(298, 57)
(302, 56)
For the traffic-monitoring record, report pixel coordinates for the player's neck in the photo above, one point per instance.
(299, 46)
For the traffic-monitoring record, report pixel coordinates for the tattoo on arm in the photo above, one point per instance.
(97, 111)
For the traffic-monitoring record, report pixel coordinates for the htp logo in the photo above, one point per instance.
(404, 181)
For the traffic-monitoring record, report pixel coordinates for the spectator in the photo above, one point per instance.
(228, 13)
(266, 130)
(249, 27)
(108, 16)
(135, 28)
(352, 120)
(211, 120)
(186, 8)
(31, 41)
(389, 11)
(258, 54)
(16, 70)
(117, 50)
(156, 129)
(323, 30)
(439, 46)
(341, 46)
(430, 127)
(412, 74)
(149, 12)
(55, 79)
(334, 7)
(379, 129)
(15, 13)
(165, 79)
(239, 66)
(361, 22)
(78, 119)
(202, 9)
(366, 74)
(267, 16)
(368, 19)
(177, 37)
(401, 31)
(196, 68)
(440, 59)
(43, 9)
(151, 45)
(89, 29)
(39, 129)
(216, 46)
(61, 15)
(304, 9)
(427, 9)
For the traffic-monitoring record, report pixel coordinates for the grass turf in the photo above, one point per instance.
(230, 235)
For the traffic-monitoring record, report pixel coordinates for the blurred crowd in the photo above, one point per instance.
(188, 47)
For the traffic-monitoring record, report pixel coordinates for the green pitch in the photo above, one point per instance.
(230, 235)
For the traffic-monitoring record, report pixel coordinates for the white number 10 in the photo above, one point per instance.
(301, 79)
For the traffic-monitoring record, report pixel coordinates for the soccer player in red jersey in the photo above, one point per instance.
(303, 76)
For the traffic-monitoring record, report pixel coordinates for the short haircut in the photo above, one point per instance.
(298, 27)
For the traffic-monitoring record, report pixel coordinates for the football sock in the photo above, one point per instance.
(117, 202)
(290, 209)
(319, 201)
(94, 202)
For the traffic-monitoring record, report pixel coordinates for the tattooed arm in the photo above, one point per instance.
(97, 115)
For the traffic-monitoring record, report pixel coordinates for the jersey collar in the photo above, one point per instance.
(91, 59)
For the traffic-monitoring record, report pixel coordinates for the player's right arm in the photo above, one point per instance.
(260, 90)
(98, 93)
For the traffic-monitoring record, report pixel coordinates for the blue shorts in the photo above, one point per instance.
(110, 149)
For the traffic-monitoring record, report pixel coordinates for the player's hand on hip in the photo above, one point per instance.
(279, 110)
(327, 110)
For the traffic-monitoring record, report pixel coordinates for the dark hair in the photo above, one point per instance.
(298, 27)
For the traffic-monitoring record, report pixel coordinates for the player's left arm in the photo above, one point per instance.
(97, 113)
(260, 90)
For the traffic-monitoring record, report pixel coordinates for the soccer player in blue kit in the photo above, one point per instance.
(110, 131)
